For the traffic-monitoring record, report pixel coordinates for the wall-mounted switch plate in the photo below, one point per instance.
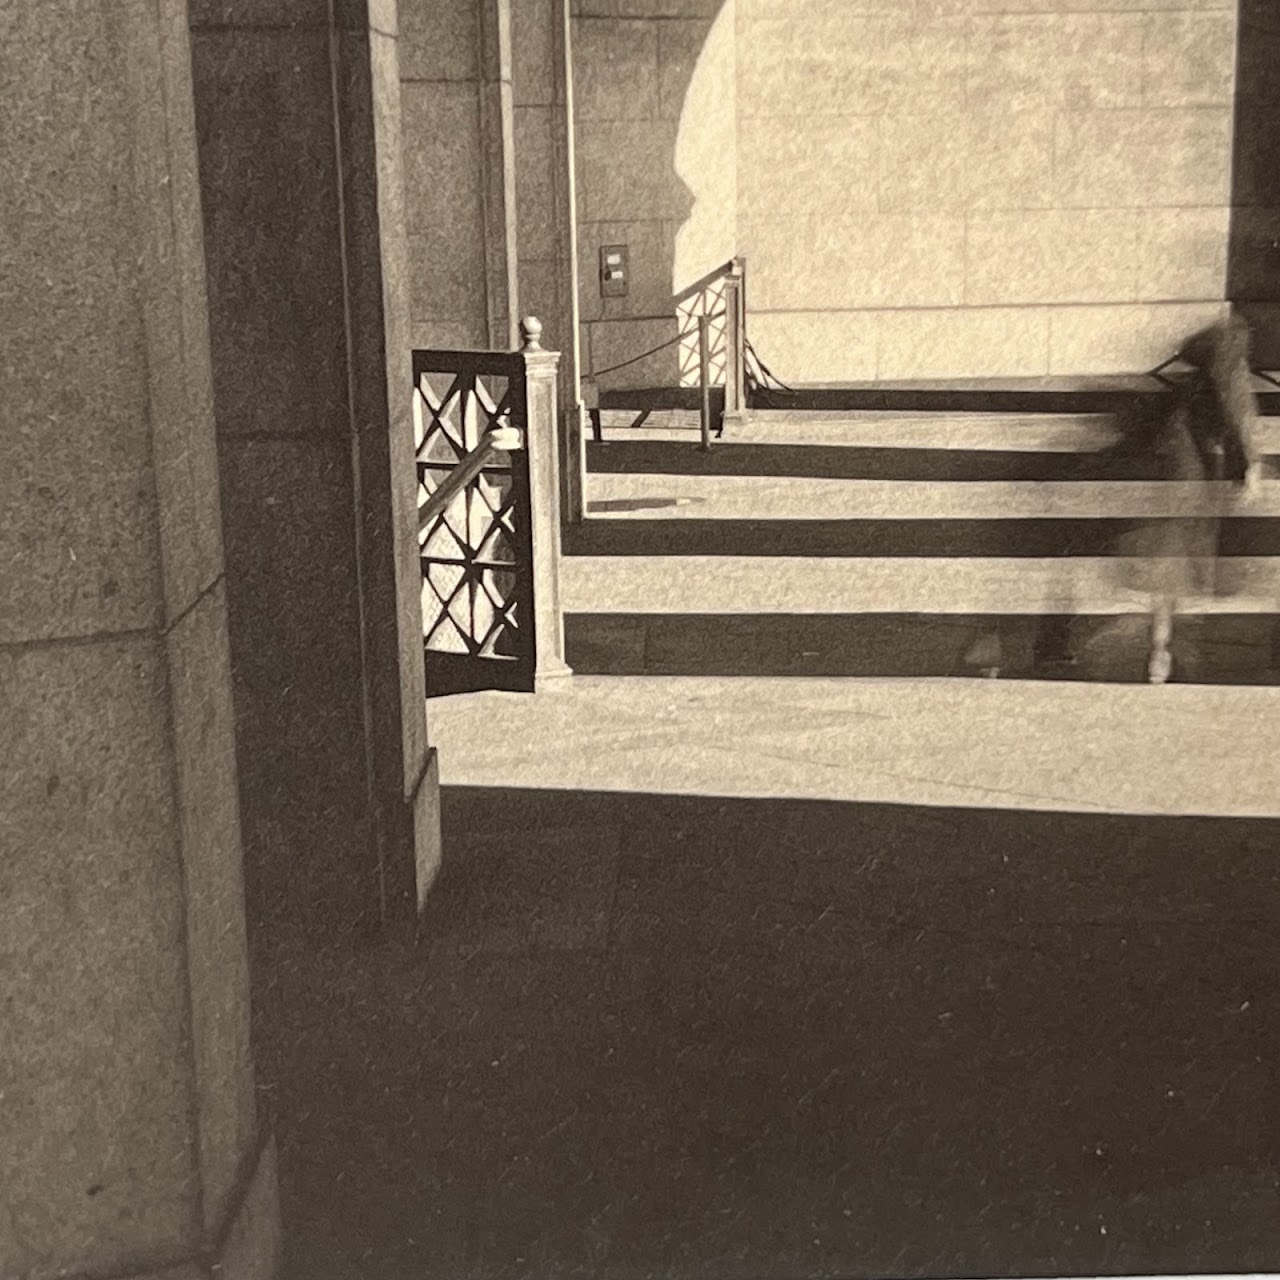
(615, 271)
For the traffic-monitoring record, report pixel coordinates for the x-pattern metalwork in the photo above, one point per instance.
(708, 301)
(471, 566)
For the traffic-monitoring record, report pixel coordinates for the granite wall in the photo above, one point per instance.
(130, 1141)
(482, 86)
(541, 164)
(654, 89)
(456, 93)
(298, 117)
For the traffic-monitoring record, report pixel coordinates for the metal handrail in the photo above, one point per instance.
(697, 327)
(692, 290)
(733, 313)
(499, 440)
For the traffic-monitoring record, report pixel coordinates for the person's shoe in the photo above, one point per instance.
(985, 654)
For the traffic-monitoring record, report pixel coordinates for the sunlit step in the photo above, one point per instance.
(978, 432)
(1026, 433)
(1029, 433)
(704, 497)
(769, 584)
(1048, 433)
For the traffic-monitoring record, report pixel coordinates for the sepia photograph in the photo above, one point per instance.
(639, 639)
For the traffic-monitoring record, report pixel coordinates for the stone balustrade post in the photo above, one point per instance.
(541, 444)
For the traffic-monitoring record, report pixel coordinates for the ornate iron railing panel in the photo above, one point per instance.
(475, 555)
(708, 299)
(715, 306)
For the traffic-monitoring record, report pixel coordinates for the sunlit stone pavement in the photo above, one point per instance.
(1176, 749)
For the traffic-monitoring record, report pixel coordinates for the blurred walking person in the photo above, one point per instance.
(1204, 433)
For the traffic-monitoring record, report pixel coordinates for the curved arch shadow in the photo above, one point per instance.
(706, 153)
(655, 128)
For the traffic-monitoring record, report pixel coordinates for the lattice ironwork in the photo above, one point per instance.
(475, 562)
(710, 300)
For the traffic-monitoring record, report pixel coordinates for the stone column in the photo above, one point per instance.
(130, 1142)
(548, 265)
(298, 110)
(460, 145)
(497, 141)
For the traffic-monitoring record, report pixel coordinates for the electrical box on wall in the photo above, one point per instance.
(615, 274)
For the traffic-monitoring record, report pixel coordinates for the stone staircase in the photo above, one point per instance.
(925, 543)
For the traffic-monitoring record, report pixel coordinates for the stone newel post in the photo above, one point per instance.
(541, 433)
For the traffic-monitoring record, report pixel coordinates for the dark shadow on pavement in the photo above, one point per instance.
(712, 1039)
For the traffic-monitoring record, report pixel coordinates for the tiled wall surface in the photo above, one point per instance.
(982, 187)
(633, 63)
(938, 188)
(482, 184)
(440, 93)
(541, 183)
(927, 188)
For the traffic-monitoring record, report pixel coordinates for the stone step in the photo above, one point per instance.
(873, 584)
(849, 462)
(1226, 649)
(907, 544)
(970, 389)
(878, 445)
(1026, 432)
(1087, 393)
(891, 539)
(677, 497)
(1052, 433)
(981, 432)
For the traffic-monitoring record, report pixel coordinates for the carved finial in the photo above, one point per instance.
(531, 333)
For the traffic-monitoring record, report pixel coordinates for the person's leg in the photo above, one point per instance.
(1160, 664)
